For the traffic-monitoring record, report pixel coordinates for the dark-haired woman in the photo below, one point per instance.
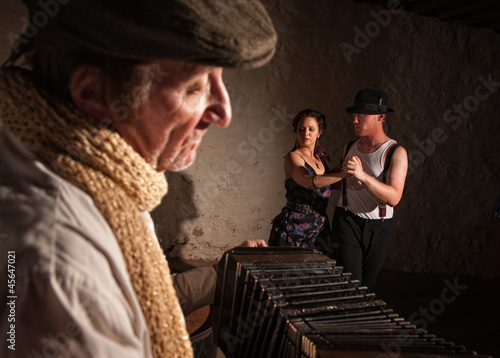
(303, 221)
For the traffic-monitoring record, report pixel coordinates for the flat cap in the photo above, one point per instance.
(228, 33)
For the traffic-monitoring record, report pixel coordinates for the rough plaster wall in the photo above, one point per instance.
(444, 222)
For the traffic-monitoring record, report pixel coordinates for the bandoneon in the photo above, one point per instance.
(290, 302)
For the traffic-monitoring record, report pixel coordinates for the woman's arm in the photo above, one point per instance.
(294, 167)
(329, 178)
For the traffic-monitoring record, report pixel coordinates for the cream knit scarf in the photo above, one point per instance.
(99, 162)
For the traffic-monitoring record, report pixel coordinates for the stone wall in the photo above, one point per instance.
(441, 79)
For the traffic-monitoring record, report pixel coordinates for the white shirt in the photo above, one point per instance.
(359, 200)
(72, 295)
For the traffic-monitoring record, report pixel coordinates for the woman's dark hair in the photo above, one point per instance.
(320, 118)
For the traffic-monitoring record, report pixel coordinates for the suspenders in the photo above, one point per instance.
(344, 190)
(388, 159)
(390, 152)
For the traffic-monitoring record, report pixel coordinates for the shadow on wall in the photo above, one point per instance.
(176, 207)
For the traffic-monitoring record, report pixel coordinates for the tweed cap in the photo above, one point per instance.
(228, 33)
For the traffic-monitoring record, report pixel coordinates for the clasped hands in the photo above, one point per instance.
(352, 165)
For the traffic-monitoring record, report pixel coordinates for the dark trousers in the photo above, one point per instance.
(362, 245)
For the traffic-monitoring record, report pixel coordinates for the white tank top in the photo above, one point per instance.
(359, 200)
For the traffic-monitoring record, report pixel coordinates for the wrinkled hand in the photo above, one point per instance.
(247, 243)
(353, 165)
(253, 243)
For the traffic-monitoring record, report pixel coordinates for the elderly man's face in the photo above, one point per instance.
(172, 121)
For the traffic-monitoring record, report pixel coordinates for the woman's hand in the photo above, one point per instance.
(353, 165)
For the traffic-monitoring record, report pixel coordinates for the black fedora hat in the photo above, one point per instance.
(370, 101)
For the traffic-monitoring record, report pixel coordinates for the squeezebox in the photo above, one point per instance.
(289, 302)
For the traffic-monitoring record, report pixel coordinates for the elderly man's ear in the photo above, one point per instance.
(88, 92)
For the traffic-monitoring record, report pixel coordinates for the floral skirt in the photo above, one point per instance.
(291, 228)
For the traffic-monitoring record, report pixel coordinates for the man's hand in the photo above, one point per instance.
(247, 243)
(354, 166)
(253, 243)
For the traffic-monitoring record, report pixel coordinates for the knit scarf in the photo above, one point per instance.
(120, 182)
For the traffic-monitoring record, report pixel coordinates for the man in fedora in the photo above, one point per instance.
(96, 104)
(362, 224)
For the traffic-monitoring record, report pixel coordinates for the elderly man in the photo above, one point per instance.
(107, 96)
